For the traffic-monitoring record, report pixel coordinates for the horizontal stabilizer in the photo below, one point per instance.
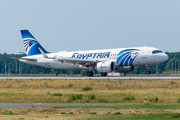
(32, 60)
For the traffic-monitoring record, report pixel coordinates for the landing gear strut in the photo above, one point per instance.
(147, 72)
(90, 73)
(103, 74)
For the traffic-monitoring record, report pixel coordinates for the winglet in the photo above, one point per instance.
(43, 53)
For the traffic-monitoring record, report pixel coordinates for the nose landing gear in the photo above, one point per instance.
(147, 72)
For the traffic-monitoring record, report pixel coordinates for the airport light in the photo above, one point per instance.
(19, 69)
(16, 69)
(9, 69)
(175, 69)
(178, 68)
(171, 69)
(42, 70)
(145, 100)
(52, 71)
(5, 68)
(156, 69)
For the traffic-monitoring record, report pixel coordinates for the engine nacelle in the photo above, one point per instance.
(105, 67)
(125, 68)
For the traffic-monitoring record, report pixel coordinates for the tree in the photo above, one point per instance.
(12, 71)
(160, 71)
(83, 72)
(56, 73)
(137, 70)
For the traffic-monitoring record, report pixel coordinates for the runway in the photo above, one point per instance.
(24, 105)
(93, 78)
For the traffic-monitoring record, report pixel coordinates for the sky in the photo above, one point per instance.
(73, 25)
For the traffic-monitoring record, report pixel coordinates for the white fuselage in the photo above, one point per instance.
(121, 57)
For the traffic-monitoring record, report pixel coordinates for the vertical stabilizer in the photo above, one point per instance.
(31, 44)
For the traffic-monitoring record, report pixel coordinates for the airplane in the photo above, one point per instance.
(105, 61)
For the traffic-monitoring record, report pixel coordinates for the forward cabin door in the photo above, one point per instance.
(144, 53)
(144, 56)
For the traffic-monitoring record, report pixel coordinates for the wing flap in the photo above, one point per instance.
(77, 61)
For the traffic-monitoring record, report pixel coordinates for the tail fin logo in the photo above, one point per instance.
(30, 44)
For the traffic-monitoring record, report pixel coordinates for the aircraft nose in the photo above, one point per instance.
(165, 57)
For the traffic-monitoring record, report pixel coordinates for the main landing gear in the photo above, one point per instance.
(103, 74)
(147, 72)
(90, 73)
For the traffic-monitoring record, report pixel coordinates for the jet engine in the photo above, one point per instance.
(105, 67)
(125, 69)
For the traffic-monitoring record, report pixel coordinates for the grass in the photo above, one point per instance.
(100, 91)
(128, 98)
(6, 112)
(124, 106)
(92, 97)
(74, 97)
(161, 116)
(57, 94)
(86, 89)
(62, 113)
(70, 112)
(70, 85)
(103, 91)
(91, 113)
(117, 113)
(166, 116)
(102, 100)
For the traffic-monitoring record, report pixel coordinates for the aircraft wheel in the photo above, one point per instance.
(103, 74)
(90, 73)
(148, 72)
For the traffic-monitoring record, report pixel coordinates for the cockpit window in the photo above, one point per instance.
(156, 51)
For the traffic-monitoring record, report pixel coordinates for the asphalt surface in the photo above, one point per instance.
(25, 105)
(83, 78)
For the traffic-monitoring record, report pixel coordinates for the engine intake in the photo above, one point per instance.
(125, 68)
(105, 67)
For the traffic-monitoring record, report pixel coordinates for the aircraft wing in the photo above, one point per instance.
(73, 60)
(31, 60)
(84, 62)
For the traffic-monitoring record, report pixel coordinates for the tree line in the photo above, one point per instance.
(14, 66)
